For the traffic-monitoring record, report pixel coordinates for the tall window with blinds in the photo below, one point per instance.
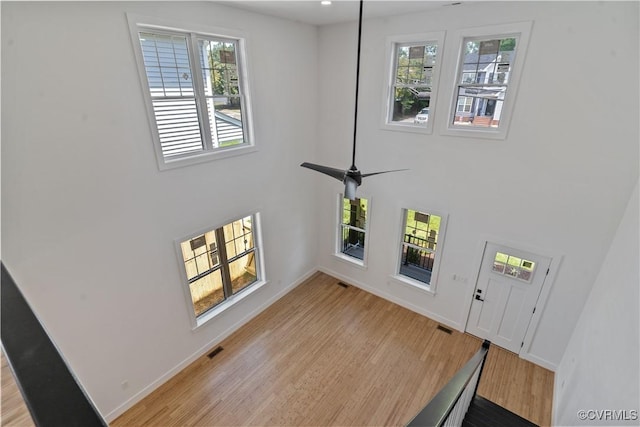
(197, 95)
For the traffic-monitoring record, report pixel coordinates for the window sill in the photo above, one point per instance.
(414, 284)
(230, 302)
(207, 156)
(407, 127)
(351, 260)
(471, 132)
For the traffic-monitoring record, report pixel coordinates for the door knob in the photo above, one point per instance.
(478, 298)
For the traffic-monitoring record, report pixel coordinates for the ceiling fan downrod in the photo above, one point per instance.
(352, 177)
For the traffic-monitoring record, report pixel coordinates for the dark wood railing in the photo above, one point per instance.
(450, 405)
(48, 386)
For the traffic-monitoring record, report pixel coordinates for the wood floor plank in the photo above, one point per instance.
(14, 410)
(522, 387)
(325, 355)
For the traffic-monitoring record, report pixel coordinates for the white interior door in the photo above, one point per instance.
(506, 293)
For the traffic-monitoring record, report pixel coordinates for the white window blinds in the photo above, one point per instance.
(170, 79)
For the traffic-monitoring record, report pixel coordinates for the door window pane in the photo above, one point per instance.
(513, 266)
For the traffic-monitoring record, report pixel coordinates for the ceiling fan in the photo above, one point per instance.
(352, 177)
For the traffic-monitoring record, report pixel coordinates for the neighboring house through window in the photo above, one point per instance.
(196, 93)
(488, 73)
(220, 264)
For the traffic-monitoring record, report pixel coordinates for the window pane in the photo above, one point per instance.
(513, 266)
(413, 82)
(166, 61)
(200, 254)
(422, 229)
(178, 126)
(219, 67)
(408, 103)
(238, 237)
(353, 242)
(486, 65)
(206, 292)
(219, 64)
(417, 264)
(243, 272)
(225, 121)
(419, 245)
(354, 212)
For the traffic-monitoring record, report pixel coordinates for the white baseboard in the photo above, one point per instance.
(539, 361)
(201, 351)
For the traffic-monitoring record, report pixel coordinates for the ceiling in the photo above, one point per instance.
(312, 12)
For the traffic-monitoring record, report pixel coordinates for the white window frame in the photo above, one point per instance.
(392, 44)
(431, 286)
(362, 263)
(464, 106)
(521, 31)
(230, 301)
(190, 31)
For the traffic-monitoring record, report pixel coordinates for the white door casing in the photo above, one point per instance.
(507, 290)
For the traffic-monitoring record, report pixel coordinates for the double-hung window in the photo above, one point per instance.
(220, 264)
(413, 79)
(421, 241)
(352, 229)
(489, 67)
(196, 93)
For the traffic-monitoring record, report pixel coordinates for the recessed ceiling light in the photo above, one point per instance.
(325, 2)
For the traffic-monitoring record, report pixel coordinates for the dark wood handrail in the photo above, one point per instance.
(439, 408)
(48, 386)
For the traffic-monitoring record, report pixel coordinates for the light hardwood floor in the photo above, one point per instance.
(13, 411)
(327, 355)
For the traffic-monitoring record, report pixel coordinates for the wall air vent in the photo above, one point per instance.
(443, 329)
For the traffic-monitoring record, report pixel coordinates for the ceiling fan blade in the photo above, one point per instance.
(333, 172)
(350, 186)
(364, 175)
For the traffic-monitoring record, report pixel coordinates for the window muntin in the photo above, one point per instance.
(197, 94)
(420, 248)
(483, 80)
(414, 66)
(353, 227)
(215, 271)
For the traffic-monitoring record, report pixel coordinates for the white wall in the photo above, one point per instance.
(89, 222)
(600, 368)
(559, 182)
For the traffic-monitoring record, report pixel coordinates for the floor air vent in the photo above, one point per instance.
(443, 329)
(214, 352)
(344, 285)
